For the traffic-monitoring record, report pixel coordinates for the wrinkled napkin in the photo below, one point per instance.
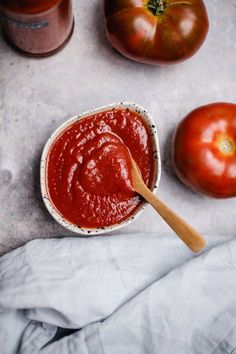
(126, 294)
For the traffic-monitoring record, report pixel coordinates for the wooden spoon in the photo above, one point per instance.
(187, 234)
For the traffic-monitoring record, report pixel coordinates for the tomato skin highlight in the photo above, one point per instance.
(167, 38)
(204, 150)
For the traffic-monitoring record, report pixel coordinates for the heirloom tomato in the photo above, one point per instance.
(156, 31)
(204, 150)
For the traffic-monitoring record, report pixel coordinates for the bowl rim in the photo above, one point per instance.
(43, 167)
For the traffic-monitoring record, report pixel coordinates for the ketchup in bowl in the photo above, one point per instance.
(88, 169)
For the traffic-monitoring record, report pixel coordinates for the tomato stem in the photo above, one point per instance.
(157, 7)
(227, 146)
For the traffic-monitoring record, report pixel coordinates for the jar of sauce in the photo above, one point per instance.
(37, 27)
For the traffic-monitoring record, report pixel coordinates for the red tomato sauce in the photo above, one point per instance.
(89, 168)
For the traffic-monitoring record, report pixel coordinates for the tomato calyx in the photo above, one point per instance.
(157, 7)
(226, 146)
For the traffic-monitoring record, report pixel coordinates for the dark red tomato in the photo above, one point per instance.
(156, 31)
(204, 150)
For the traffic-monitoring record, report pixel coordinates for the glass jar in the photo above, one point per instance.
(37, 28)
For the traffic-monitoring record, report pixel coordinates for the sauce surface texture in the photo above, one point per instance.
(89, 171)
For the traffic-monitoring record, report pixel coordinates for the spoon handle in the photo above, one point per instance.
(187, 234)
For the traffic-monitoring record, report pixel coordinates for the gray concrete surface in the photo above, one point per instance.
(38, 95)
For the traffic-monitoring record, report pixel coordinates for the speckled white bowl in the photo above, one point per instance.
(156, 178)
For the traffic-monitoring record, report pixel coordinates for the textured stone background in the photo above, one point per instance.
(38, 95)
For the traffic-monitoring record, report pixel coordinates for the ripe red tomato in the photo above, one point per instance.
(156, 31)
(204, 150)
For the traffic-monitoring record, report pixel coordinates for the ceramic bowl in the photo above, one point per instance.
(154, 185)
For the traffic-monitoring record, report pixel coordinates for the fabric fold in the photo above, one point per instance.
(190, 310)
(83, 284)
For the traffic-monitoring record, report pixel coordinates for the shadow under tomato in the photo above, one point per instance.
(167, 164)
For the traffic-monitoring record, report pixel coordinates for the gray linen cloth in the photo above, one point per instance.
(126, 294)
